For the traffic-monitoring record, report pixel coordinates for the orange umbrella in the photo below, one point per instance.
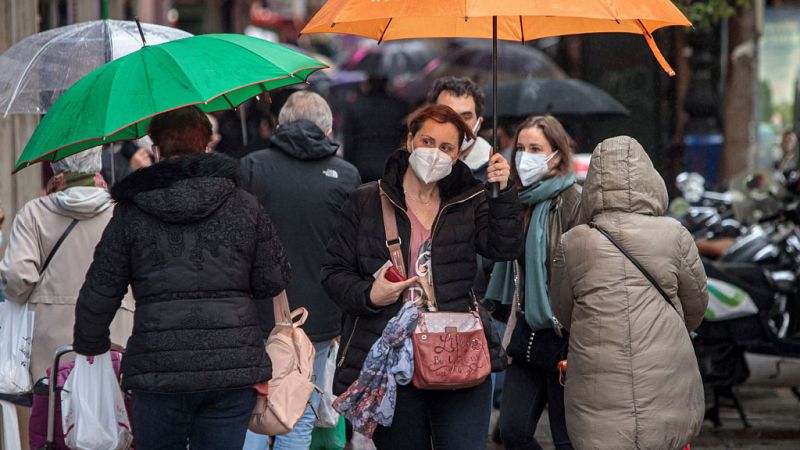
(514, 20)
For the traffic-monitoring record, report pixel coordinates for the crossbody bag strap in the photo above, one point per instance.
(60, 241)
(635, 263)
(393, 241)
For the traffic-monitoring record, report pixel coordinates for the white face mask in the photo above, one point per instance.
(467, 143)
(532, 167)
(430, 164)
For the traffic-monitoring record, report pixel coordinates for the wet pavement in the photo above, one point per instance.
(774, 416)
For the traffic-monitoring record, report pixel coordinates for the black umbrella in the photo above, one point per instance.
(514, 60)
(392, 58)
(568, 97)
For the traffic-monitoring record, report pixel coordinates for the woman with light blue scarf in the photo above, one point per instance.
(534, 338)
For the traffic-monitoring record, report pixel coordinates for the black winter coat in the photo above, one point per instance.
(201, 256)
(467, 224)
(302, 185)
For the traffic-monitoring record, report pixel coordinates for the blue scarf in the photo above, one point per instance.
(538, 312)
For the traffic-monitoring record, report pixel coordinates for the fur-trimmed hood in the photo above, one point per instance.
(181, 190)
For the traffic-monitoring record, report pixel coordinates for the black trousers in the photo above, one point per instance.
(438, 420)
(526, 393)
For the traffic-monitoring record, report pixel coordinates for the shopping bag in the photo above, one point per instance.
(93, 411)
(329, 438)
(9, 426)
(16, 335)
(327, 417)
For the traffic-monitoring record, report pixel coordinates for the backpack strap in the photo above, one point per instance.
(635, 262)
(60, 241)
(284, 316)
(393, 241)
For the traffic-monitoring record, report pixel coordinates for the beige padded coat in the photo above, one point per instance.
(52, 294)
(632, 380)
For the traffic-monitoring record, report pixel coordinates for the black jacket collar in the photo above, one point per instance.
(459, 184)
(181, 190)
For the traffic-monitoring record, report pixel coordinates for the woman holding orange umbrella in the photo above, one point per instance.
(444, 219)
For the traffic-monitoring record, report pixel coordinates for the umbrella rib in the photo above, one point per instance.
(521, 30)
(194, 88)
(35, 57)
(384, 30)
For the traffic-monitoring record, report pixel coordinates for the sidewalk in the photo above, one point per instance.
(774, 416)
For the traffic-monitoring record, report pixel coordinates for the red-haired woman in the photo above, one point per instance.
(444, 218)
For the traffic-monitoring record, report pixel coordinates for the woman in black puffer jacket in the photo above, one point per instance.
(201, 256)
(444, 218)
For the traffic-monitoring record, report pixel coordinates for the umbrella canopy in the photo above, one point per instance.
(513, 60)
(116, 101)
(560, 97)
(517, 20)
(473, 58)
(39, 68)
(392, 58)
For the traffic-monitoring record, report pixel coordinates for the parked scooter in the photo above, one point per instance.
(751, 331)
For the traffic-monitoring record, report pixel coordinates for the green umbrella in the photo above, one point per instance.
(117, 100)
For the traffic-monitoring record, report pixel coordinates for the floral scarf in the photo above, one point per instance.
(370, 400)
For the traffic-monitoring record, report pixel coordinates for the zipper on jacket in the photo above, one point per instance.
(347, 345)
(433, 232)
(441, 213)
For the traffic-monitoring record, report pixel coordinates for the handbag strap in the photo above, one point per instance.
(60, 241)
(280, 306)
(393, 241)
(635, 263)
(512, 318)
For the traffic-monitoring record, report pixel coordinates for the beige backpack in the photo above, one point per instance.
(289, 391)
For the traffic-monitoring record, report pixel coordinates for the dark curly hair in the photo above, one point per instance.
(460, 87)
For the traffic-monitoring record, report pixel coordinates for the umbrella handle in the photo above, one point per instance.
(494, 190)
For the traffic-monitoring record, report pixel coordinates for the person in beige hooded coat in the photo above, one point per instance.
(632, 380)
(77, 192)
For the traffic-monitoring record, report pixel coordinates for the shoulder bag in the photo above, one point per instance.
(450, 348)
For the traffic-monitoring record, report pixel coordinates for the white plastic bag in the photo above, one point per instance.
(327, 416)
(10, 426)
(16, 335)
(93, 411)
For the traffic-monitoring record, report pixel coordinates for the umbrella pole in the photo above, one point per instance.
(243, 121)
(494, 188)
(105, 9)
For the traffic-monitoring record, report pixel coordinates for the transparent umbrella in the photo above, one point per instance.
(38, 69)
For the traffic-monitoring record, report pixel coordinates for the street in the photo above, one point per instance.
(774, 416)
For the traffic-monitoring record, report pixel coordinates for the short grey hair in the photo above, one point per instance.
(87, 161)
(305, 105)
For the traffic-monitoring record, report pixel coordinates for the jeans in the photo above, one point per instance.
(214, 420)
(526, 393)
(300, 437)
(444, 420)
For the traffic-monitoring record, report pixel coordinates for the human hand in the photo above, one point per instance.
(140, 159)
(385, 292)
(498, 171)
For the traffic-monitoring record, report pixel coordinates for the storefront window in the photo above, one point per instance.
(779, 67)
